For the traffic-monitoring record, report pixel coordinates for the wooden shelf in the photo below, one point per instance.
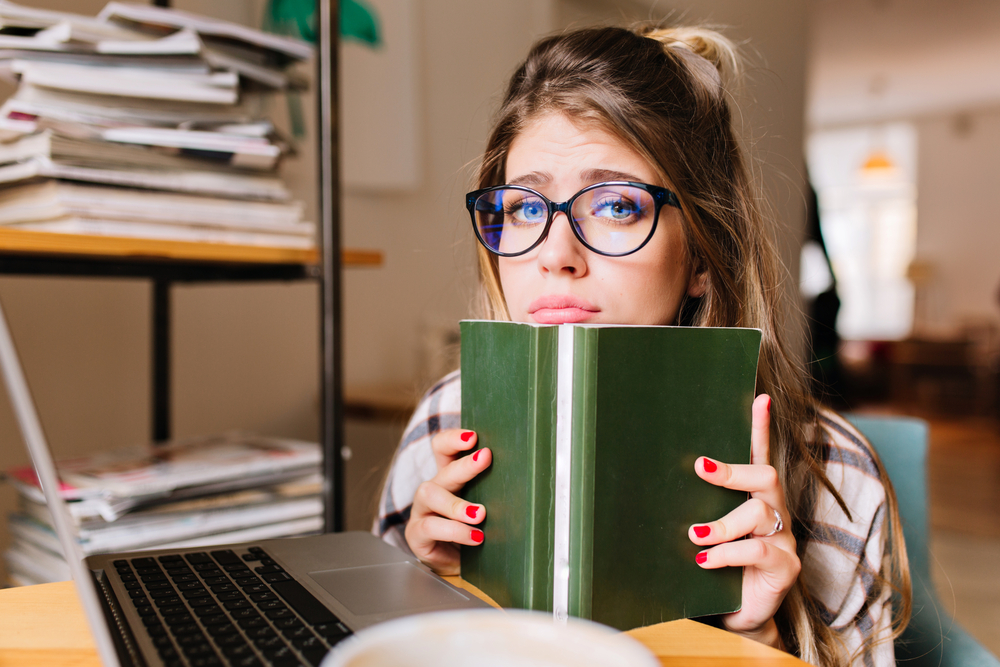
(16, 241)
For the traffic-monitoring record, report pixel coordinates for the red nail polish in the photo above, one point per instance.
(768, 405)
(709, 465)
(467, 436)
(702, 531)
(477, 536)
(475, 457)
(471, 511)
(701, 557)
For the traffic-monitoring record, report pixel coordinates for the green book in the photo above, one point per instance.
(594, 432)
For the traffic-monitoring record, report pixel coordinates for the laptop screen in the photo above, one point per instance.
(41, 457)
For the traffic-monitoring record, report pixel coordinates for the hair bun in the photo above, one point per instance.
(710, 56)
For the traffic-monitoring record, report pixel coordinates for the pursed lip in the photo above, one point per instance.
(561, 309)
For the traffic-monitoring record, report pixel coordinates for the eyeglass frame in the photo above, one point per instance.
(661, 197)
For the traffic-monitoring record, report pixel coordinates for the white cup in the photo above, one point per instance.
(489, 638)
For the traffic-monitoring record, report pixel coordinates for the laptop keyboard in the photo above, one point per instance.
(224, 608)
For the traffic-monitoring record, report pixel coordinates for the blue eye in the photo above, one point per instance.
(528, 210)
(618, 209)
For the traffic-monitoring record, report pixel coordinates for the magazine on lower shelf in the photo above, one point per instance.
(113, 482)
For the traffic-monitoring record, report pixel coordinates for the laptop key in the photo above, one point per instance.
(143, 562)
(178, 619)
(276, 576)
(196, 599)
(167, 600)
(210, 610)
(253, 586)
(303, 643)
(275, 614)
(216, 619)
(248, 612)
(186, 629)
(263, 597)
(331, 631)
(197, 557)
(162, 593)
(233, 605)
(226, 557)
(205, 661)
(194, 585)
(216, 581)
(302, 601)
(171, 611)
(251, 623)
(222, 630)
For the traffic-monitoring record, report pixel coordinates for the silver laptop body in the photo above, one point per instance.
(281, 601)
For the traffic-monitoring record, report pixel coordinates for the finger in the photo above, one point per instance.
(460, 472)
(760, 431)
(438, 529)
(431, 498)
(753, 478)
(781, 565)
(754, 517)
(447, 444)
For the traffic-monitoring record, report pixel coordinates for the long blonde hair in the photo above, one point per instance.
(663, 93)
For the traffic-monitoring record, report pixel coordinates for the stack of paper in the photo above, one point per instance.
(143, 100)
(190, 493)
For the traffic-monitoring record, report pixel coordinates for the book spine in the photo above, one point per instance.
(563, 469)
(583, 445)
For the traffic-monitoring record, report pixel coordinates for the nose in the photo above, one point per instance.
(561, 252)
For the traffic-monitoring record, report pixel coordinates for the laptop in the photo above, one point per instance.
(273, 602)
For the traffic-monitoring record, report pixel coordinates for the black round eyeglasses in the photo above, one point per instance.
(613, 219)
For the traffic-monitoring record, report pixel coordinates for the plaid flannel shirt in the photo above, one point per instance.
(841, 560)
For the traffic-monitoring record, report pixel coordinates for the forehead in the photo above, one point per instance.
(557, 148)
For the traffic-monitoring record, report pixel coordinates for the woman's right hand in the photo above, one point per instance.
(440, 520)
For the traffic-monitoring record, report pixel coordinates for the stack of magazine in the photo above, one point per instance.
(146, 122)
(195, 492)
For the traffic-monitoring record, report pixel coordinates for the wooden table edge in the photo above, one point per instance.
(66, 641)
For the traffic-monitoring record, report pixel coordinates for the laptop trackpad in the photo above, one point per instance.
(392, 587)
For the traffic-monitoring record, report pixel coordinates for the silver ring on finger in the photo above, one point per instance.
(778, 524)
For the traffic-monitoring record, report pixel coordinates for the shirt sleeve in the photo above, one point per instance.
(414, 462)
(844, 562)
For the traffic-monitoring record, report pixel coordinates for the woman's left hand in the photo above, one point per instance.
(769, 558)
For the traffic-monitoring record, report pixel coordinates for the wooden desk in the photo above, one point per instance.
(44, 626)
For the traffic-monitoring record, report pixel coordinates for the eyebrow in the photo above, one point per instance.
(590, 176)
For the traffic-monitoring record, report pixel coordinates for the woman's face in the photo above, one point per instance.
(561, 280)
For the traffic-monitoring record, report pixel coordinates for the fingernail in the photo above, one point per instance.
(477, 536)
(768, 405)
(702, 531)
(709, 465)
(467, 436)
(701, 557)
(471, 511)
(475, 457)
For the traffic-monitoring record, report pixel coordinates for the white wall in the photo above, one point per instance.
(958, 219)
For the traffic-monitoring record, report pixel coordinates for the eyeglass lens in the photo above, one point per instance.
(613, 219)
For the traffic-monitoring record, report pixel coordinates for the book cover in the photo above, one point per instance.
(594, 432)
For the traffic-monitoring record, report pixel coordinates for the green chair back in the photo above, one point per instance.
(933, 638)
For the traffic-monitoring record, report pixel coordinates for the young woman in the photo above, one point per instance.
(627, 200)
